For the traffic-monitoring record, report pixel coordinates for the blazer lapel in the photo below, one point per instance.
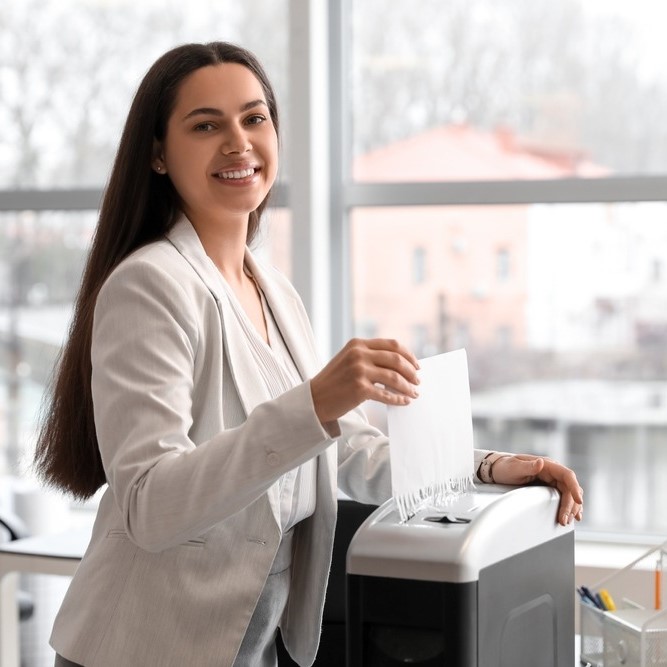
(242, 365)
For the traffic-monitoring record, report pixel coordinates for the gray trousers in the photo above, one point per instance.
(258, 648)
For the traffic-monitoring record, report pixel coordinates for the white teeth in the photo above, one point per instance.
(243, 173)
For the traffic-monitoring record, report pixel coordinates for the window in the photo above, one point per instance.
(471, 125)
(529, 169)
(68, 71)
(498, 84)
(62, 112)
(42, 255)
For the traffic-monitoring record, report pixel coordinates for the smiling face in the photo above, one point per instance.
(221, 149)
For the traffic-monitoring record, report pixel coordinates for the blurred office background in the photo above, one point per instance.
(487, 174)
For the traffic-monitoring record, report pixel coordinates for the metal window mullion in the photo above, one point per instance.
(77, 199)
(482, 193)
(339, 251)
(309, 161)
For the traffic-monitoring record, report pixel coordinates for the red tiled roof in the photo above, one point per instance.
(461, 152)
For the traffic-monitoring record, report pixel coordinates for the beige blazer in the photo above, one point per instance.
(188, 527)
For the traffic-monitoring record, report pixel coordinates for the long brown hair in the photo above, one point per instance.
(138, 207)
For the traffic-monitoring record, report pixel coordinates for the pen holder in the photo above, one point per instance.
(591, 621)
(635, 632)
(635, 637)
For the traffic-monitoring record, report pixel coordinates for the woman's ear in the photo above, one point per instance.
(157, 161)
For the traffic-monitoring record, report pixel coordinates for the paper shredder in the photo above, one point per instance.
(487, 581)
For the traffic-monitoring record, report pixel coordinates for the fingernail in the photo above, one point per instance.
(566, 517)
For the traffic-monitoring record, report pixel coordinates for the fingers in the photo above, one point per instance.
(386, 344)
(569, 511)
(377, 369)
(572, 495)
(572, 499)
(381, 370)
(387, 365)
(393, 372)
(384, 361)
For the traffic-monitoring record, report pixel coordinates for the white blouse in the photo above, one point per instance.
(277, 370)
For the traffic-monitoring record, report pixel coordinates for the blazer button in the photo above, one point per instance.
(273, 459)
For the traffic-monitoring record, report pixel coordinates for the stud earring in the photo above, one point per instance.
(158, 169)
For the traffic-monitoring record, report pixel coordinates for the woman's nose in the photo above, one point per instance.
(235, 141)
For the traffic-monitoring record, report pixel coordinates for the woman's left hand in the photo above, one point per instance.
(525, 468)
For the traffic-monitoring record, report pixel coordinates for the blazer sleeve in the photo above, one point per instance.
(168, 488)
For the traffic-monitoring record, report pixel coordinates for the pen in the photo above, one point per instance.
(586, 593)
(658, 583)
(607, 600)
(585, 599)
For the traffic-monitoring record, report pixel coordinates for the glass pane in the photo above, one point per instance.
(41, 259)
(507, 89)
(69, 69)
(561, 309)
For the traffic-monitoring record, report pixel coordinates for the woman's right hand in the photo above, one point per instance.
(378, 369)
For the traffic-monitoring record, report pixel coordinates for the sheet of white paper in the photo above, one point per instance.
(431, 440)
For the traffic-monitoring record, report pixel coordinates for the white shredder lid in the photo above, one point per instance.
(501, 522)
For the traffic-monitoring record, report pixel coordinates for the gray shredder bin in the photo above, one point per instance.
(487, 583)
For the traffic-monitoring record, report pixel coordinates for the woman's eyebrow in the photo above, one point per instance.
(213, 111)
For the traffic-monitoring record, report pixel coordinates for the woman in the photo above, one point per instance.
(190, 385)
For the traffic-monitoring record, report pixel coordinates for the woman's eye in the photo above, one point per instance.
(256, 119)
(204, 127)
